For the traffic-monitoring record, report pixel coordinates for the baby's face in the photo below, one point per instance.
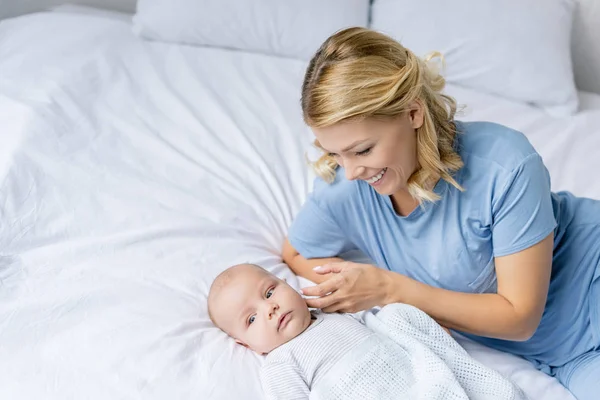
(260, 311)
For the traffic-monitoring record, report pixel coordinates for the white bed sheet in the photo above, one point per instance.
(133, 172)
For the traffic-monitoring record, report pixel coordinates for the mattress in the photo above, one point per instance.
(133, 172)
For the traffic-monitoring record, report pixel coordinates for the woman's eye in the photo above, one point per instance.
(251, 319)
(269, 293)
(332, 154)
(364, 152)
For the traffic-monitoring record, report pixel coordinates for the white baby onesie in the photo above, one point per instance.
(294, 367)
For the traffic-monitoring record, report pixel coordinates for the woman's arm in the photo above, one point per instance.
(304, 267)
(514, 313)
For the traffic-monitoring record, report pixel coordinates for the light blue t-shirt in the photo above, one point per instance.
(507, 206)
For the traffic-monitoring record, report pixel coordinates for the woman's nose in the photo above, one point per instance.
(353, 172)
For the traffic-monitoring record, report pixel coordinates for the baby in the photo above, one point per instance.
(256, 308)
(398, 352)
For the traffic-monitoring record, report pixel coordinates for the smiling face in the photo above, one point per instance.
(256, 308)
(382, 152)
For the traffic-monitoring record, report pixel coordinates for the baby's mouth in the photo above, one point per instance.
(283, 320)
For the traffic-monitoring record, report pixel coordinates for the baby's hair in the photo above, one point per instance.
(221, 281)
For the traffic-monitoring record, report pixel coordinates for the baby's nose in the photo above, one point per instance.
(272, 308)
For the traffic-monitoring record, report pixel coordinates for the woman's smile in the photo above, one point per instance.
(376, 180)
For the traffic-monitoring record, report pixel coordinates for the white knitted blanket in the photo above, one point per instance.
(412, 357)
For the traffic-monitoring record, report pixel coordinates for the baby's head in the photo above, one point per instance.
(257, 309)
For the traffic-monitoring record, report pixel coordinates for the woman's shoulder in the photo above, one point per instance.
(489, 142)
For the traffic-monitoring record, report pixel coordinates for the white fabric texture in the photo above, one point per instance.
(292, 369)
(380, 369)
(133, 172)
(413, 329)
(400, 352)
(519, 49)
(290, 28)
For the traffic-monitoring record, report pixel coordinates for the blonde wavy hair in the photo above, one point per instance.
(358, 73)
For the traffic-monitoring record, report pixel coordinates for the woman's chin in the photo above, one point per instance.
(384, 191)
(387, 188)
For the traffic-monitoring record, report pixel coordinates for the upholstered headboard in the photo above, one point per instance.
(586, 45)
(585, 39)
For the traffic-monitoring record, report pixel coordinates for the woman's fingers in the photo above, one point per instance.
(320, 290)
(335, 307)
(322, 269)
(321, 302)
(329, 268)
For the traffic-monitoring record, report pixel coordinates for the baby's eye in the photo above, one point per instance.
(269, 292)
(364, 152)
(251, 319)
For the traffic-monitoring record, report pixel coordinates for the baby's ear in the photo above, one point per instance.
(241, 343)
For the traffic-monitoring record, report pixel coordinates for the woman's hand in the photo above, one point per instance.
(352, 287)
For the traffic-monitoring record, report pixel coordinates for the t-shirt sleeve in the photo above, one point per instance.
(315, 234)
(522, 213)
(283, 381)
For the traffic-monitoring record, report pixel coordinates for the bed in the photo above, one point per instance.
(132, 172)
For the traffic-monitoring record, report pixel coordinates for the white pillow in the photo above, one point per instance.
(290, 28)
(519, 49)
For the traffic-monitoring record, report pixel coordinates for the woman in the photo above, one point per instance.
(458, 217)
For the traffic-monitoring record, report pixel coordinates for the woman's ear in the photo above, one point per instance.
(416, 114)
